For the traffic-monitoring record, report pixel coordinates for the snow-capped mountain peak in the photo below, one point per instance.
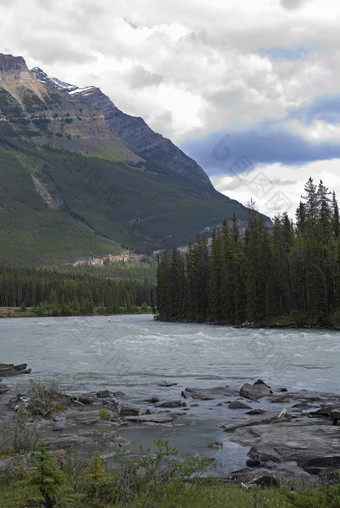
(53, 82)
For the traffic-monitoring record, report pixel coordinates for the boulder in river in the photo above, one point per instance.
(87, 398)
(170, 403)
(237, 404)
(9, 369)
(255, 391)
(216, 392)
(335, 415)
(250, 421)
(129, 411)
(104, 394)
(153, 418)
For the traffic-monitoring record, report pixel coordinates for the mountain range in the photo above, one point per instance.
(79, 178)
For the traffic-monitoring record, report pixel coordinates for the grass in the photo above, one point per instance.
(154, 479)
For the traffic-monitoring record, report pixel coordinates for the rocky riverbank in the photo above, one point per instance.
(287, 434)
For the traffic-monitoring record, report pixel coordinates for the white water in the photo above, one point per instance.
(135, 353)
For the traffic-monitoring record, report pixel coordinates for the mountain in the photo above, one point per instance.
(135, 132)
(72, 186)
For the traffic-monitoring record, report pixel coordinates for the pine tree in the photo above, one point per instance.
(217, 278)
(46, 476)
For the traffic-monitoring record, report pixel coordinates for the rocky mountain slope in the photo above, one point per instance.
(72, 187)
(133, 130)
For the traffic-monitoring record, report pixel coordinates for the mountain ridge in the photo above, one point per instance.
(140, 138)
(71, 188)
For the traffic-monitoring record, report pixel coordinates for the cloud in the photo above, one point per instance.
(293, 4)
(272, 195)
(139, 77)
(308, 133)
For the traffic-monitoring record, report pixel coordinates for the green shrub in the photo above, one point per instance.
(105, 415)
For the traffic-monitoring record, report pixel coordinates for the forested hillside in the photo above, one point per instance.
(288, 276)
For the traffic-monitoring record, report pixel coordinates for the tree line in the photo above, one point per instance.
(51, 292)
(287, 274)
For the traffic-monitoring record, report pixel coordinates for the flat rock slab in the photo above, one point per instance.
(216, 392)
(9, 369)
(153, 418)
(314, 448)
(251, 420)
(170, 403)
(129, 411)
(237, 404)
(167, 384)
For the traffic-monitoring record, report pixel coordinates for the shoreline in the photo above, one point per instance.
(254, 326)
(276, 428)
(14, 312)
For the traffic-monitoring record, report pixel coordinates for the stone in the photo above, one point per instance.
(268, 480)
(104, 394)
(255, 391)
(249, 421)
(167, 384)
(216, 392)
(215, 445)
(153, 400)
(87, 398)
(153, 418)
(335, 416)
(129, 411)
(253, 462)
(170, 404)
(256, 412)
(9, 369)
(280, 400)
(237, 404)
(313, 447)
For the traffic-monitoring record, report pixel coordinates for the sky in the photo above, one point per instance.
(248, 89)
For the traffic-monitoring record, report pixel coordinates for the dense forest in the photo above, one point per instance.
(285, 275)
(49, 292)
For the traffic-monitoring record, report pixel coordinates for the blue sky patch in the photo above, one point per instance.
(299, 52)
(324, 107)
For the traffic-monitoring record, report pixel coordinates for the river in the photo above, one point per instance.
(137, 355)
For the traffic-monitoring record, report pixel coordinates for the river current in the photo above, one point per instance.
(142, 358)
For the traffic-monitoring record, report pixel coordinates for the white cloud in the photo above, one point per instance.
(318, 131)
(276, 188)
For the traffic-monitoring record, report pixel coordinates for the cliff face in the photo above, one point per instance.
(9, 63)
(38, 111)
(140, 138)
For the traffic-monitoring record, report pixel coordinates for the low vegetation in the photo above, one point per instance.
(155, 479)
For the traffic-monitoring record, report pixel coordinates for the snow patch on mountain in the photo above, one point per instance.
(53, 82)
